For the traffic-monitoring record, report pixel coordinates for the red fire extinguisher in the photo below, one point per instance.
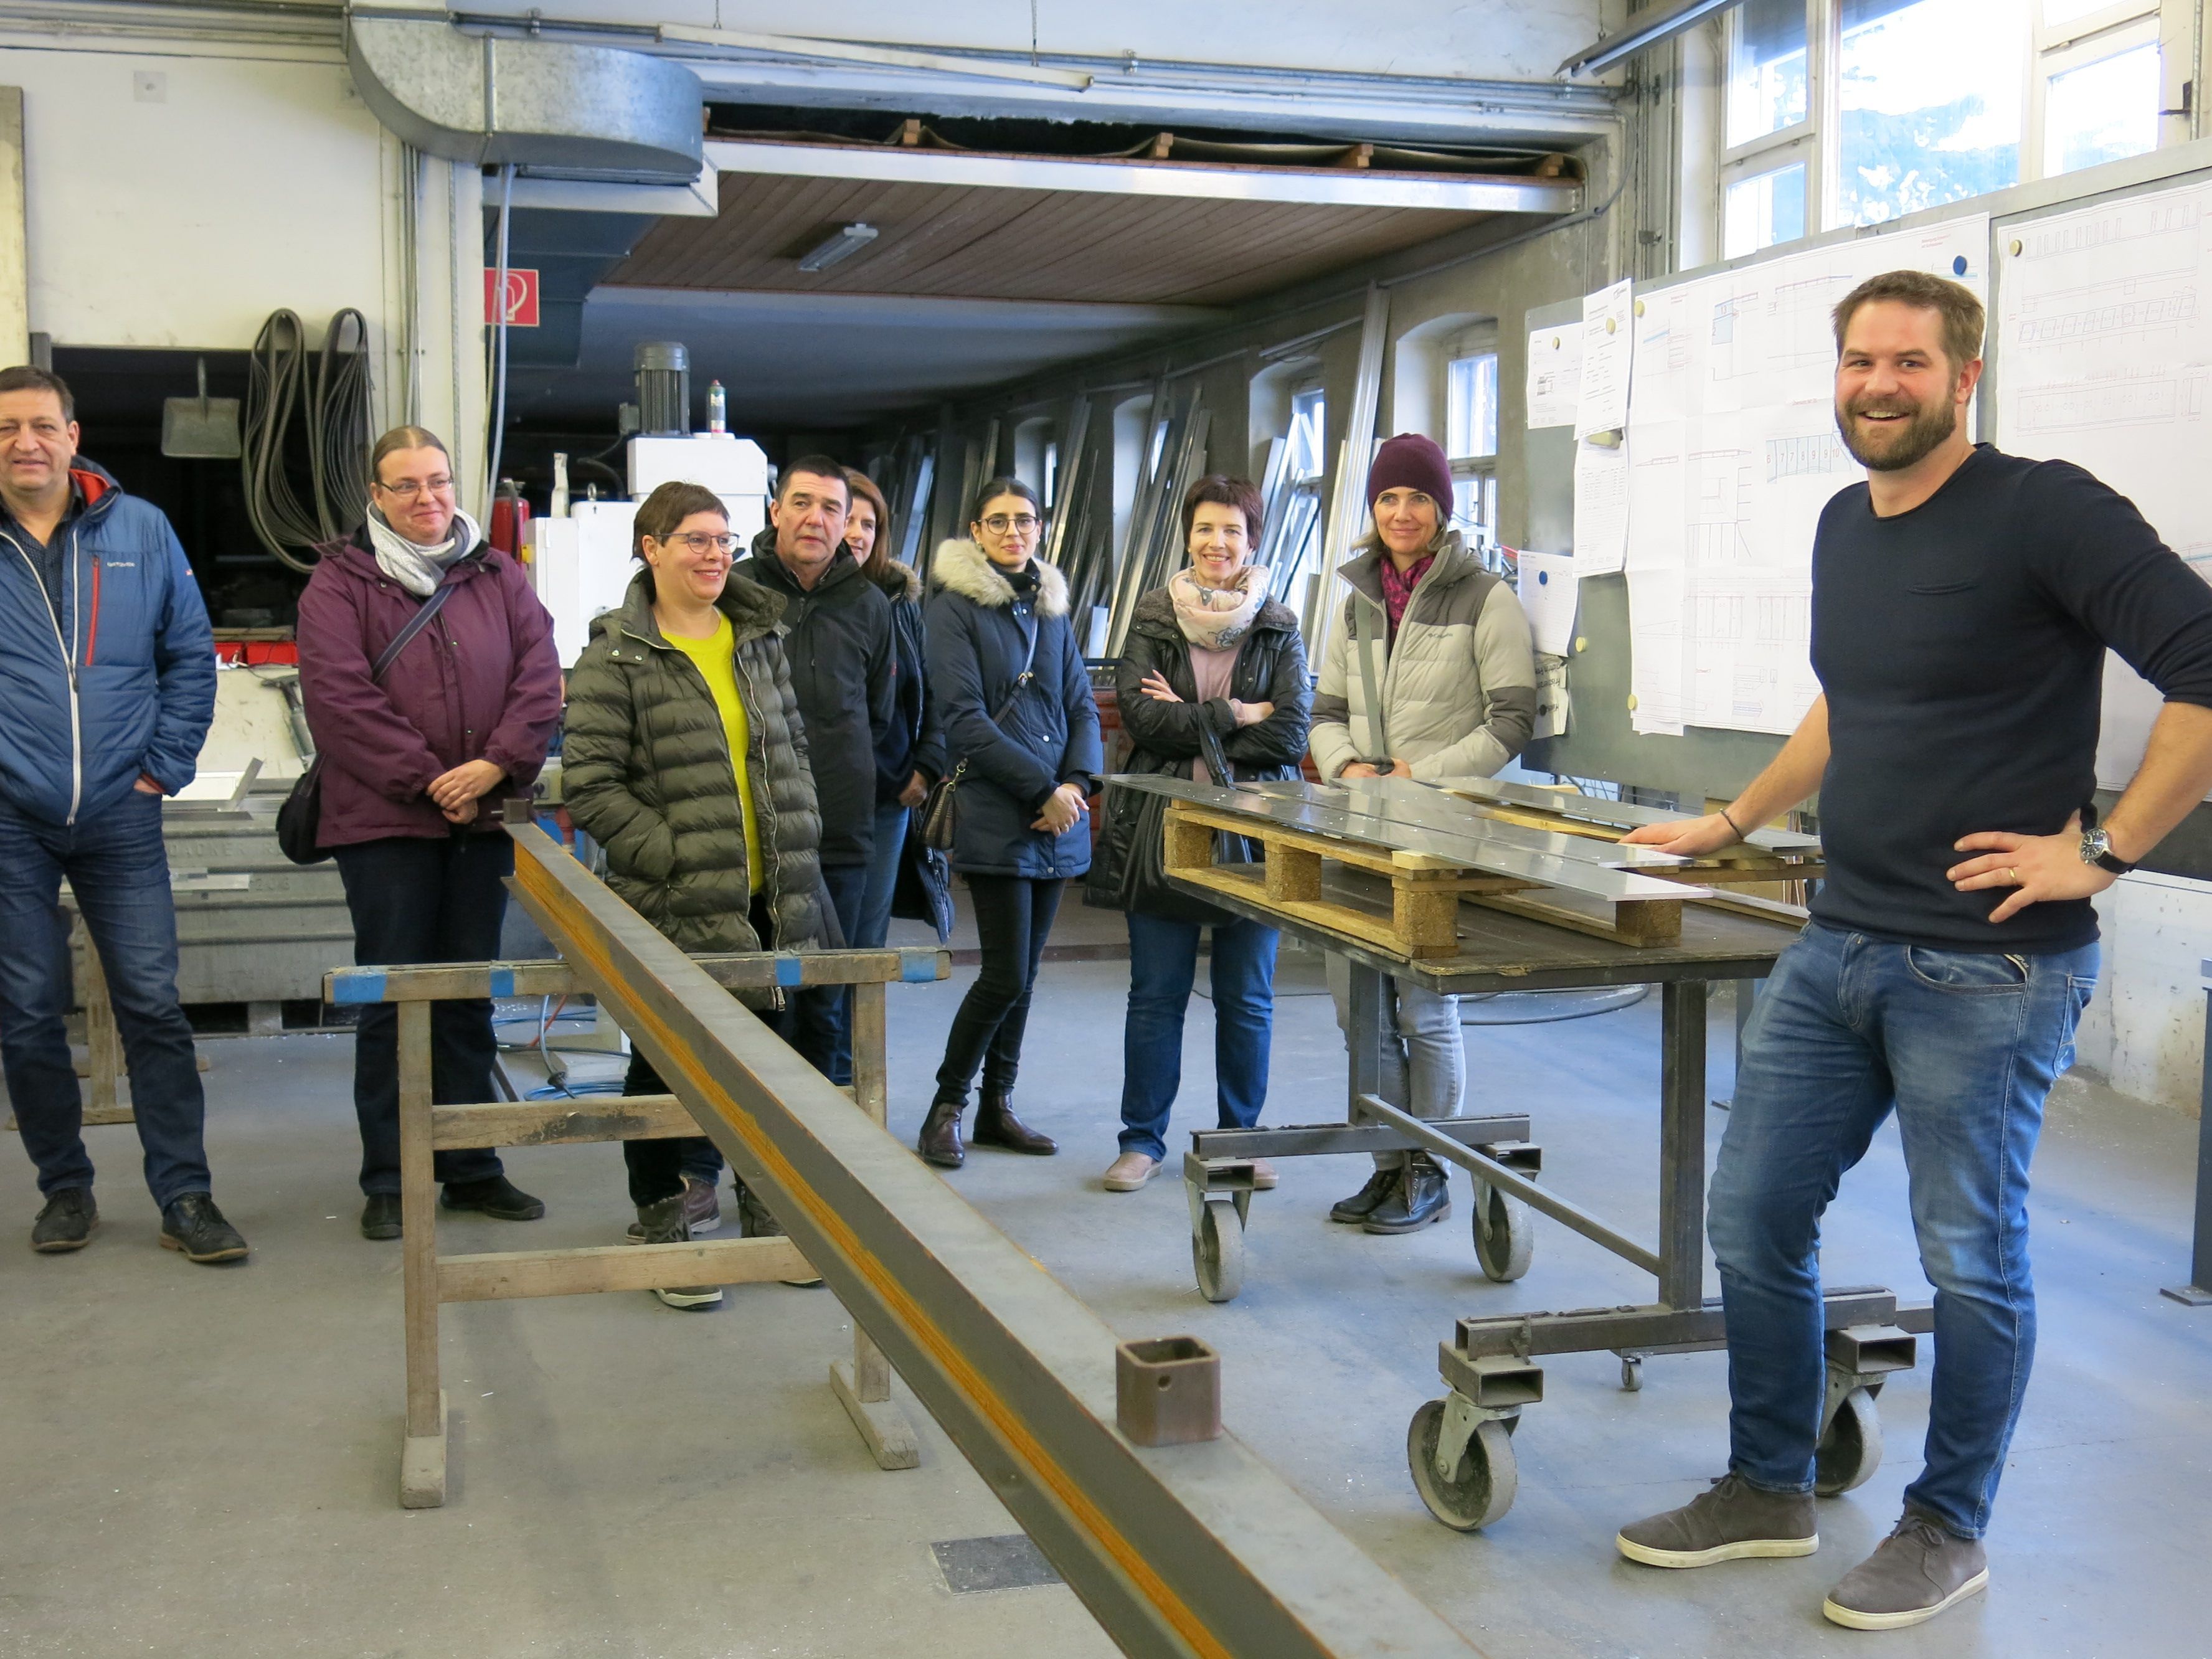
(510, 519)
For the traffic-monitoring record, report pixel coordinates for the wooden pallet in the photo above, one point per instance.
(1427, 890)
(1424, 891)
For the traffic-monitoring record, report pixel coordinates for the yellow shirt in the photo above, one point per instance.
(717, 661)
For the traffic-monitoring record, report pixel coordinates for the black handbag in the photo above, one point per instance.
(923, 889)
(941, 808)
(299, 819)
(1141, 885)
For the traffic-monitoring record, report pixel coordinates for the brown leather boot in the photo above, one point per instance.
(939, 1140)
(996, 1125)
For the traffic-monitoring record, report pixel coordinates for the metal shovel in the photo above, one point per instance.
(201, 429)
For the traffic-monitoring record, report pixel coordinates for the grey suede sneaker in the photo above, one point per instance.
(1735, 1521)
(663, 1223)
(1921, 1569)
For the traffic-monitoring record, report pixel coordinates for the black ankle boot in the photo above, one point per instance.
(1421, 1196)
(996, 1125)
(1352, 1211)
(939, 1140)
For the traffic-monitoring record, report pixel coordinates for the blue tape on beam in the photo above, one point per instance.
(789, 971)
(502, 981)
(918, 967)
(351, 985)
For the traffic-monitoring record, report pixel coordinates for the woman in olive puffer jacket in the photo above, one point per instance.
(684, 758)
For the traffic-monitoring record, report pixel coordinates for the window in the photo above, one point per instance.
(1929, 100)
(1763, 208)
(1768, 64)
(1051, 480)
(1471, 433)
(1309, 420)
(1839, 112)
(2102, 110)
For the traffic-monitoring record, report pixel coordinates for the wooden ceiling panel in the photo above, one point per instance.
(1009, 244)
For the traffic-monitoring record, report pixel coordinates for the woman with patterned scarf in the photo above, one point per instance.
(1209, 654)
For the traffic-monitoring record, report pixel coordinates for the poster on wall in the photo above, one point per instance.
(1734, 453)
(1555, 375)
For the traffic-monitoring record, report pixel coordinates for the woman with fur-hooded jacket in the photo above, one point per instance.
(1021, 736)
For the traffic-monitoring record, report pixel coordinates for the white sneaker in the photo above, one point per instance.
(1130, 1172)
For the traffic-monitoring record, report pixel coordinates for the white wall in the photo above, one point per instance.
(1491, 40)
(176, 196)
(2144, 1033)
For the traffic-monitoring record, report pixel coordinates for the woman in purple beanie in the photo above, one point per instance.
(1430, 676)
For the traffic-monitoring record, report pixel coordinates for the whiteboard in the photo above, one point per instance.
(1733, 453)
(2106, 342)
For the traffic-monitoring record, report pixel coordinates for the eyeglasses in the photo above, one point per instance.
(408, 489)
(998, 524)
(699, 541)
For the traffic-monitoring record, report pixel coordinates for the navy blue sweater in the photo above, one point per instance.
(1961, 646)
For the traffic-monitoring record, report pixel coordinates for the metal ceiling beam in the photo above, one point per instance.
(1646, 28)
(1317, 186)
(1181, 1551)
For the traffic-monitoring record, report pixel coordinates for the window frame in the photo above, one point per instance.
(1480, 341)
(2053, 50)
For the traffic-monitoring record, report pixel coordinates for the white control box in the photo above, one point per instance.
(725, 464)
(581, 567)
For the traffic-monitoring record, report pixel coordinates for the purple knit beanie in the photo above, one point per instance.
(1410, 461)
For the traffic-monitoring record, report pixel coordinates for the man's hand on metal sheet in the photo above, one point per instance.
(1687, 838)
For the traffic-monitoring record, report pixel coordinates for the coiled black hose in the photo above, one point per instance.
(335, 405)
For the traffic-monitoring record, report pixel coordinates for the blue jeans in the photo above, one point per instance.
(119, 872)
(1162, 968)
(873, 925)
(1964, 1046)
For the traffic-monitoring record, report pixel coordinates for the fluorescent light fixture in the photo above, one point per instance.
(841, 247)
(1646, 28)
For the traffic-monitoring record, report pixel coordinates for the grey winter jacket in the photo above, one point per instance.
(1457, 691)
(646, 772)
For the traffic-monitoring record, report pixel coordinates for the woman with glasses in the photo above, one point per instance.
(412, 755)
(683, 756)
(911, 753)
(1211, 662)
(1021, 738)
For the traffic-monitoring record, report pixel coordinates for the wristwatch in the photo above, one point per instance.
(2097, 850)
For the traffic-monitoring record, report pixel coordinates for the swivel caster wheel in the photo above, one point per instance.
(1505, 1234)
(1482, 1481)
(1631, 1372)
(1851, 1450)
(1216, 1251)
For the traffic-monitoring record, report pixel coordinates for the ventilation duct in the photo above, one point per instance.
(552, 109)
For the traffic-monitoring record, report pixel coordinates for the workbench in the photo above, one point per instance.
(1460, 1448)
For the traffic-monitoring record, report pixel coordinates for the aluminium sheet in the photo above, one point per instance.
(1327, 812)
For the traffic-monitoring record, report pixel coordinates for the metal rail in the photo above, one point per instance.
(1506, 1179)
(1193, 1550)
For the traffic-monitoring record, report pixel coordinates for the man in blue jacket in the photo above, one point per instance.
(106, 689)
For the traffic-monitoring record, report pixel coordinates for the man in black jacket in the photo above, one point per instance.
(840, 648)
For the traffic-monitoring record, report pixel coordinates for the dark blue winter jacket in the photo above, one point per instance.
(125, 683)
(979, 627)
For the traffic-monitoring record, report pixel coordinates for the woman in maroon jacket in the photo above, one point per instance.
(409, 758)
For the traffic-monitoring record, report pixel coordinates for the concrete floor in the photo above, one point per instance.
(203, 1460)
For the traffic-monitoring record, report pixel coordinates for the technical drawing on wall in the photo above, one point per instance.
(1734, 453)
(2106, 351)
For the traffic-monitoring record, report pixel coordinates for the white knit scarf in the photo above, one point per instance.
(419, 569)
(1215, 619)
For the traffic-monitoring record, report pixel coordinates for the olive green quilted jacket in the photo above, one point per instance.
(646, 773)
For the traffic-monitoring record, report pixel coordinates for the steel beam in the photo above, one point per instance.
(1178, 1551)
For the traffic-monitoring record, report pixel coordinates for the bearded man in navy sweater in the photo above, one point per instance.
(1962, 603)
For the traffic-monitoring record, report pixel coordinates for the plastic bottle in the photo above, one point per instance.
(559, 505)
(717, 408)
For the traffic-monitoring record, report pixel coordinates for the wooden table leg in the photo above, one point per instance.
(422, 1460)
(103, 1046)
(865, 1386)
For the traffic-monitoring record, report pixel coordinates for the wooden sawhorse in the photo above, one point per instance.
(863, 1386)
